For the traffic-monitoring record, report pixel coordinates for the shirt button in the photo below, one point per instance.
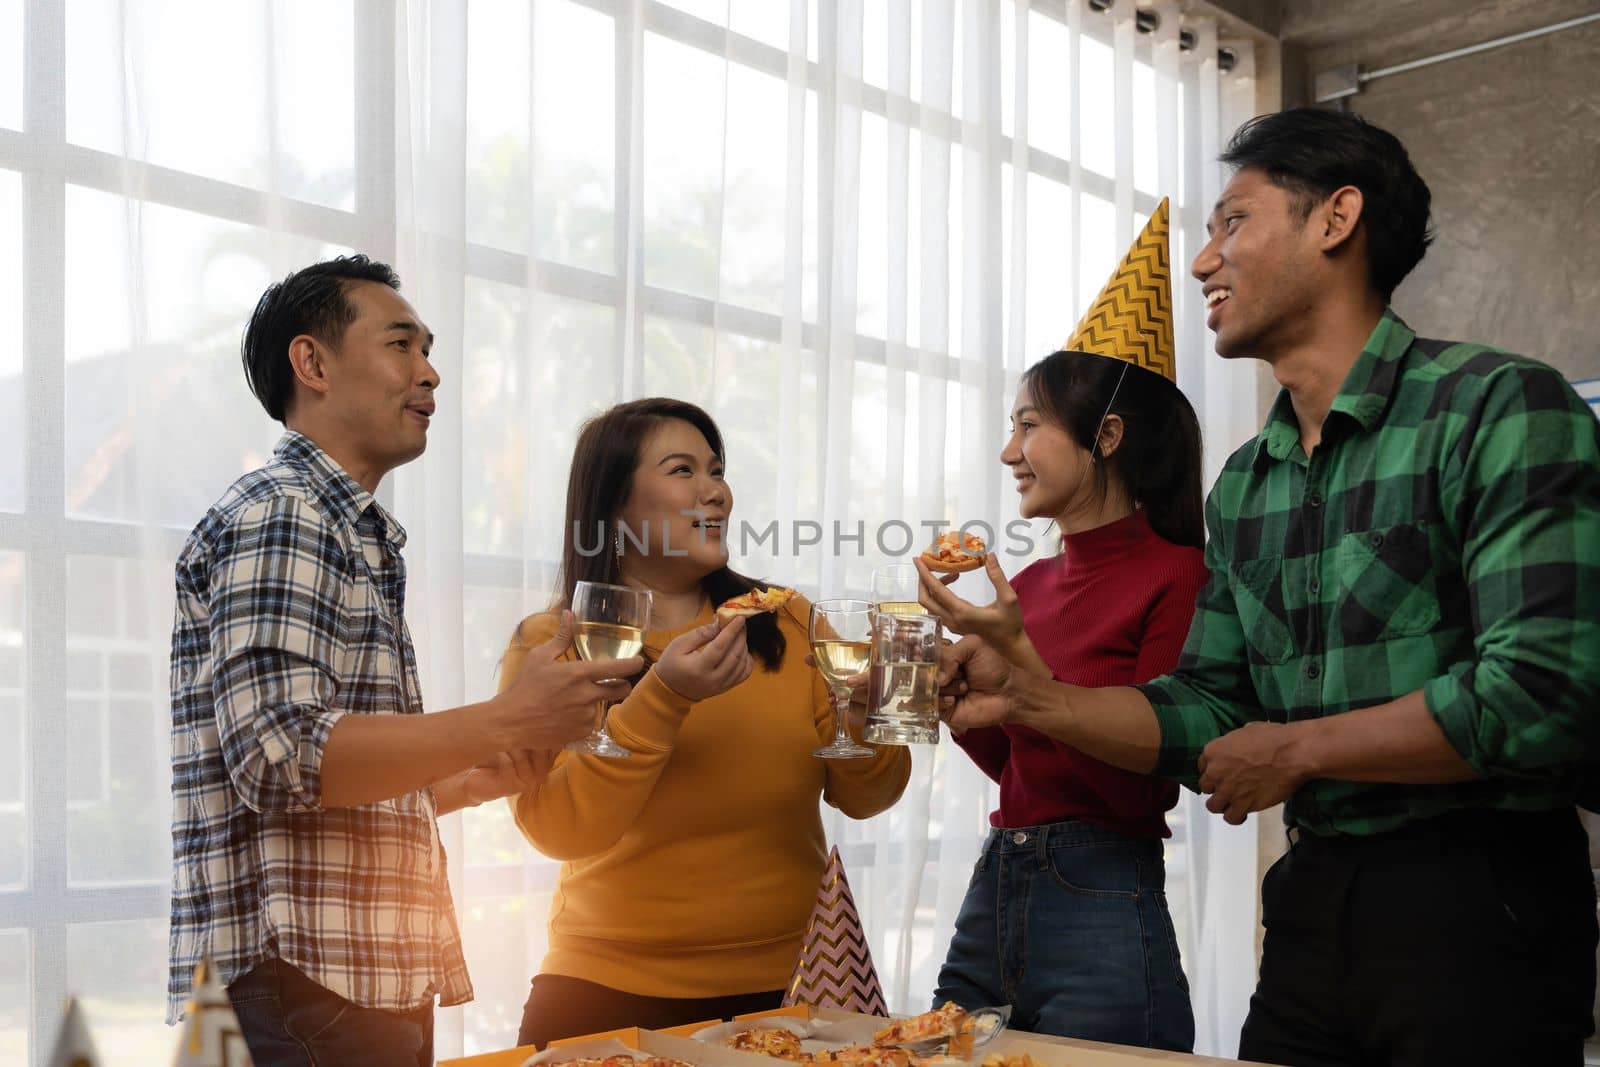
(1018, 837)
(1315, 500)
(1377, 540)
(1316, 584)
(1313, 671)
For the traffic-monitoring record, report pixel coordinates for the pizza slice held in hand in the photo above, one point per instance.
(955, 552)
(756, 602)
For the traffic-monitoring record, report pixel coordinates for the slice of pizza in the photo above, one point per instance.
(863, 1056)
(955, 552)
(782, 1044)
(756, 602)
(942, 1022)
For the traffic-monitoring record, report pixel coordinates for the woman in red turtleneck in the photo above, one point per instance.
(1066, 915)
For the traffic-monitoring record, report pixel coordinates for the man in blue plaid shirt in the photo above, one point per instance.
(306, 780)
(1399, 640)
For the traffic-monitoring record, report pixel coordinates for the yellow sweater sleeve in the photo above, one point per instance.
(587, 802)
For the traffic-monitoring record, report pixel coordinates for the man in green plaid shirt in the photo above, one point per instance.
(1399, 641)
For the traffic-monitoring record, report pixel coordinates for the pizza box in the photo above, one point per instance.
(1048, 1051)
(1070, 1052)
(511, 1057)
(790, 1011)
(630, 1037)
(1061, 1051)
(673, 1045)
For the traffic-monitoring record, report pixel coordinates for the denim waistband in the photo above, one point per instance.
(1073, 832)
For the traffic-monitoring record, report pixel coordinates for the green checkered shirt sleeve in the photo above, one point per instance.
(1524, 497)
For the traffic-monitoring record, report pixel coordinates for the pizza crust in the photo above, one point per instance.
(945, 566)
(955, 553)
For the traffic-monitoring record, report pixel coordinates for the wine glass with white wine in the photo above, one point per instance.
(610, 625)
(840, 633)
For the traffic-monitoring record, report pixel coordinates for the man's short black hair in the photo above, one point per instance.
(314, 301)
(1309, 153)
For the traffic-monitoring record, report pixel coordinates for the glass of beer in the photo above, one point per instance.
(895, 589)
(839, 631)
(610, 625)
(903, 708)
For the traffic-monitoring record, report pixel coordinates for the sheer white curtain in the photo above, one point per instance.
(844, 228)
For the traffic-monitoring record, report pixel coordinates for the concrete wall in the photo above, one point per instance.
(1509, 142)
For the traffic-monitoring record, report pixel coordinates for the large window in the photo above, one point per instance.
(843, 233)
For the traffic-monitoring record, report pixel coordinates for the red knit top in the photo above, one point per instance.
(1112, 609)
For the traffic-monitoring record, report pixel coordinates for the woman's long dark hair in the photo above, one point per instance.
(603, 462)
(1158, 460)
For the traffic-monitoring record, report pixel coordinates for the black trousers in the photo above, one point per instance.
(1467, 939)
(560, 1007)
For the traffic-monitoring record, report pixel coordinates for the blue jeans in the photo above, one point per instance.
(1068, 924)
(288, 1020)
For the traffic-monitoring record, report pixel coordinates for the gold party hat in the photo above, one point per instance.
(1131, 320)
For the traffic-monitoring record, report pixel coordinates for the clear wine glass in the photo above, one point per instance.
(610, 625)
(840, 633)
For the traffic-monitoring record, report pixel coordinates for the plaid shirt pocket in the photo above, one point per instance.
(1386, 584)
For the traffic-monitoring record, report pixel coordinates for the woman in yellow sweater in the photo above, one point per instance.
(691, 867)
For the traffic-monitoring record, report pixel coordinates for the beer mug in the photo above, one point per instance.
(903, 694)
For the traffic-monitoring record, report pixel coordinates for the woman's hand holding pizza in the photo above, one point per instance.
(706, 661)
(999, 623)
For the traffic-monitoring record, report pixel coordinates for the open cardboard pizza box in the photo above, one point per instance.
(672, 1045)
(676, 1044)
(631, 1038)
(1049, 1051)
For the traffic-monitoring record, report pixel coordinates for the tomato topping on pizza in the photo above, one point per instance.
(955, 552)
(756, 602)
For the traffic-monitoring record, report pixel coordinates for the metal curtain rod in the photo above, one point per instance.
(1347, 80)
(1147, 20)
